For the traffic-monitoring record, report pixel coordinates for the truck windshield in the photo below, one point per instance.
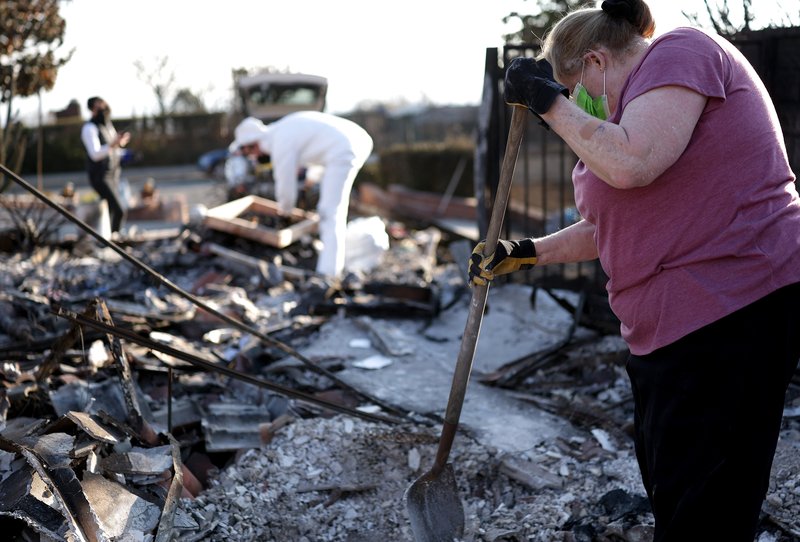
(280, 94)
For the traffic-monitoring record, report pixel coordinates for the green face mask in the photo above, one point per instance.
(596, 107)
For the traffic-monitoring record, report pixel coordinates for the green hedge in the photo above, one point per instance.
(182, 139)
(428, 166)
(154, 141)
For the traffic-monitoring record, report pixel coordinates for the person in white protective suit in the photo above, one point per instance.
(311, 138)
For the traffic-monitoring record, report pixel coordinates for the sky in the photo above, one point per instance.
(414, 51)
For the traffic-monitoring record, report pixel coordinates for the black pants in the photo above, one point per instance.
(107, 187)
(708, 412)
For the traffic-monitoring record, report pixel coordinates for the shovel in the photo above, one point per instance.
(432, 500)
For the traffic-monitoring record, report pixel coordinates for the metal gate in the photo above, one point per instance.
(775, 55)
(541, 200)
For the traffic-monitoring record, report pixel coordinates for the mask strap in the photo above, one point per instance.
(604, 81)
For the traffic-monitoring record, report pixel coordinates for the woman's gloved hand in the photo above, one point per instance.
(531, 84)
(509, 256)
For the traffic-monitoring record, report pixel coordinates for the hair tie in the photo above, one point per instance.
(620, 9)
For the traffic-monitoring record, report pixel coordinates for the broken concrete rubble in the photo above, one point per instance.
(178, 417)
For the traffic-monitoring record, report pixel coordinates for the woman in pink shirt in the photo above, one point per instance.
(687, 199)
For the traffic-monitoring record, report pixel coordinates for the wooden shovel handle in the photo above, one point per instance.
(472, 328)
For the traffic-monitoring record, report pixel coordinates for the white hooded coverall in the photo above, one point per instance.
(338, 145)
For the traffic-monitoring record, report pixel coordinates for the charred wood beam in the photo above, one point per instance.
(378, 299)
(66, 489)
(12, 325)
(337, 491)
(167, 521)
(583, 415)
(164, 281)
(60, 347)
(124, 370)
(198, 362)
(787, 528)
(46, 342)
(595, 313)
(115, 331)
(18, 502)
(514, 372)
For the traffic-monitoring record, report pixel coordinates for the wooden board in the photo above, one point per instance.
(229, 218)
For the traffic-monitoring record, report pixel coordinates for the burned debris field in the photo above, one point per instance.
(131, 413)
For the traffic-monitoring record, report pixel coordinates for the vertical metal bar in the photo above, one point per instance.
(543, 193)
(169, 400)
(545, 178)
(562, 195)
(489, 118)
(527, 228)
(526, 186)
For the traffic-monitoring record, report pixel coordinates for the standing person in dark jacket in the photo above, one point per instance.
(103, 155)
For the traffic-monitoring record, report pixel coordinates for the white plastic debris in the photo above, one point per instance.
(414, 459)
(373, 362)
(366, 242)
(98, 355)
(359, 343)
(604, 439)
(220, 335)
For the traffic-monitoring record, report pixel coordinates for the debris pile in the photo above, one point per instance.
(129, 412)
(332, 479)
(343, 479)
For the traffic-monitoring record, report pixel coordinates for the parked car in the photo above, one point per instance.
(213, 163)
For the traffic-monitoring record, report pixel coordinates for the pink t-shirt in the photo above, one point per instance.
(721, 227)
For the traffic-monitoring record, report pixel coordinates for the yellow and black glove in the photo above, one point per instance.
(509, 256)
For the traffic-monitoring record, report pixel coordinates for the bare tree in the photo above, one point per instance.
(719, 16)
(727, 24)
(186, 102)
(535, 25)
(160, 78)
(30, 34)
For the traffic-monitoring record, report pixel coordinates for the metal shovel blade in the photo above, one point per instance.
(434, 507)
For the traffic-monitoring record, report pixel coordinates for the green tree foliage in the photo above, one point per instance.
(31, 31)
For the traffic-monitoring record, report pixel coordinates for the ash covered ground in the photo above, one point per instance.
(344, 479)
